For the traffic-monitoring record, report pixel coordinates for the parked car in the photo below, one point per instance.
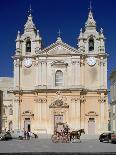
(113, 137)
(17, 134)
(105, 137)
(5, 136)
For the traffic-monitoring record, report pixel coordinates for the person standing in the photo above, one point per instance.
(28, 135)
(25, 135)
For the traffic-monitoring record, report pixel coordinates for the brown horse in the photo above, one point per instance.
(76, 134)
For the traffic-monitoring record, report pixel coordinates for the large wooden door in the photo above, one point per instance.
(91, 126)
(27, 124)
(57, 119)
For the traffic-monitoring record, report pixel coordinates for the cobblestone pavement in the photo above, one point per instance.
(44, 144)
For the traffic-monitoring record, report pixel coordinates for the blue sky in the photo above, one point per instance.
(49, 16)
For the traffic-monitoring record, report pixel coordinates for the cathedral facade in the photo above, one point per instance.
(60, 83)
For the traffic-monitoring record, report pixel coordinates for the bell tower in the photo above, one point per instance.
(91, 43)
(25, 56)
(91, 46)
(90, 40)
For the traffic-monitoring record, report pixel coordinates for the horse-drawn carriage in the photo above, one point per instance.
(63, 134)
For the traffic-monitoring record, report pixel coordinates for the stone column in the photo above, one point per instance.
(77, 112)
(40, 73)
(78, 73)
(105, 73)
(73, 73)
(72, 106)
(44, 73)
(37, 72)
(102, 114)
(82, 68)
(106, 113)
(40, 112)
(99, 105)
(16, 73)
(101, 74)
(16, 113)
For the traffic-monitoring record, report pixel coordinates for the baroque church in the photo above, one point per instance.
(60, 83)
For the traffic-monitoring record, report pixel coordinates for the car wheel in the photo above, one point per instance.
(101, 140)
(109, 141)
(20, 138)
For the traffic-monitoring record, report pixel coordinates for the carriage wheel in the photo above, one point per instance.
(65, 139)
(54, 139)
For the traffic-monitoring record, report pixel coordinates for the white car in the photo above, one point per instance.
(17, 134)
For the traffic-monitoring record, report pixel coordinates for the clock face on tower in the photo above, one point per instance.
(91, 61)
(27, 62)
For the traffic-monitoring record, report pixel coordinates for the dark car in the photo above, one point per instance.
(105, 137)
(5, 136)
(113, 137)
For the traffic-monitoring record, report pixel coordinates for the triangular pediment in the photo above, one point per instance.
(59, 104)
(59, 48)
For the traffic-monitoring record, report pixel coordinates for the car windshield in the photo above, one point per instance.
(105, 134)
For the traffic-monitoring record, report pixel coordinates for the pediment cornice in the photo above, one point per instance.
(59, 48)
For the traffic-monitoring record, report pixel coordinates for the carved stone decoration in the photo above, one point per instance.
(75, 99)
(82, 62)
(101, 62)
(83, 98)
(59, 95)
(40, 100)
(74, 62)
(59, 101)
(16, 63)
(36, 63)
(59, 63)
(59, 104)
(102, 99)
(91, 113)
(27, 113)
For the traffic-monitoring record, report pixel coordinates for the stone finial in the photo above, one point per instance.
(59, 39)
(18, 36)
(38, 36)
(101, 34)
(59, 36)
(101, 30)
(81, 34)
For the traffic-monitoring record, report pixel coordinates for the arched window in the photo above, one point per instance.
(59, 78)
(28, 45)
(91, 44)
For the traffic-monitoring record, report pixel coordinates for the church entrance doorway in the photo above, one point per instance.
(58, 119)
(91, 126)
(27, 124)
